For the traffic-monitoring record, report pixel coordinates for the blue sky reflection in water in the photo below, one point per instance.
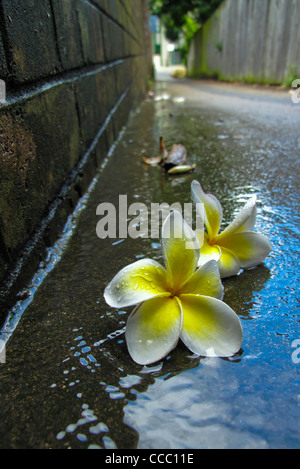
(252, 400)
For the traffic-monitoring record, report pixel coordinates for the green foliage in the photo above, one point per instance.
(291, 76)
(177, 15)
(189, 29)
(219, 46)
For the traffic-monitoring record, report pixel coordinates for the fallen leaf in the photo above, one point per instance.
(182, 169)
(155, 160)
(163, 152)
(177, 156)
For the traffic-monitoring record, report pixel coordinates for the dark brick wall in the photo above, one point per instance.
(73, 70)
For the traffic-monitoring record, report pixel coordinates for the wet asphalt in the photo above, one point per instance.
(68, 381)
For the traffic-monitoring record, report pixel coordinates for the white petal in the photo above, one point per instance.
(228, 263)
(210, 327)
(249, 247)
(213, 209)
(208, 251)
(205, 281)
(153, 330)
(180, 249)
(244, 221)
(135, 283)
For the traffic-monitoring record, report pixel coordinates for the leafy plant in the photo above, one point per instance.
(291, 76)
(178, 15)
(219, 46)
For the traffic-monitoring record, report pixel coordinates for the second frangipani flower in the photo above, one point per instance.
(238, 246)
(178, 302)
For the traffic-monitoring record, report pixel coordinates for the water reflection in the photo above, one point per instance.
(187, 412)
(143, 385)
(240, 290)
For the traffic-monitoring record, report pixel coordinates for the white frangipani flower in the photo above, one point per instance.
(238, 246)
(176, 302)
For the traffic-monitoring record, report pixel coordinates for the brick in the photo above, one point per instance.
(114, 40)
(18, 152)
(53, 118)
(31, 39)
(123, 17)
(3, 66)
(3, 269)
(96, 95)
(102, 148)
(3, 257)
(112, 9)
(90, 22)
(112, 90)
(39, 147)
(110, 133)
(68, 33)
(123, 74)
(103, 4)
(121, 115)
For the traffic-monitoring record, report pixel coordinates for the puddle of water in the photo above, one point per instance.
(69, 382)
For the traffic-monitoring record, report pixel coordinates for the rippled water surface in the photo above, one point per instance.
(69, 382)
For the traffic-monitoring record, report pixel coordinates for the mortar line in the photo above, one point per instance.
(4, 35)
(55, 34)
(28, 90)
(97, 7)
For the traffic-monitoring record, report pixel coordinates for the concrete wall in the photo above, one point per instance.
(249, 40)
(73, 71)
